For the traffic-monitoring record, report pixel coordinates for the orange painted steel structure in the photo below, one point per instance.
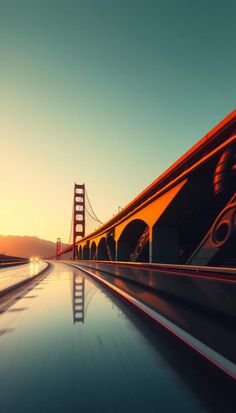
(176, 211)
(211, 143)
(78, 215)
(58, 248)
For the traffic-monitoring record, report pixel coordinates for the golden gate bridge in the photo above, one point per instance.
(169, 255)
(186, 216)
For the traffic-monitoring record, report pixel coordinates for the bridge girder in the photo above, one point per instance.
(178, 208)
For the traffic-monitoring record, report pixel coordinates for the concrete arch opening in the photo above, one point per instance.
(80, 252)
(111, 247)
(93, 251)
(86, 252)
(102, 253)
(133, 244)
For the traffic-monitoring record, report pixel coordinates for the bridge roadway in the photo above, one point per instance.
(68, 343)
(11, 276)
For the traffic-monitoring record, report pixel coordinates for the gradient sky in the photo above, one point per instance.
(106, 92)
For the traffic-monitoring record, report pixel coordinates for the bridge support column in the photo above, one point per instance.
(150, 245)
(164, 245)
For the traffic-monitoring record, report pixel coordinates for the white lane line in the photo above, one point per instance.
(211, 355)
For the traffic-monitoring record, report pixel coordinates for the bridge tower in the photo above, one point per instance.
(78, 215)
(58, 248)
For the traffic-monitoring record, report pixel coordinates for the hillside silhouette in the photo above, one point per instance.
(26, 246)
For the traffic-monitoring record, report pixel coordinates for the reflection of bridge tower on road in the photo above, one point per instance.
(81, 298)
(78, 298)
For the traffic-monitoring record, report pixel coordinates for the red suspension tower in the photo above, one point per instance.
(78, 215)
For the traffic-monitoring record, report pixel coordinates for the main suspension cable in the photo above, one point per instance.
(94, 215)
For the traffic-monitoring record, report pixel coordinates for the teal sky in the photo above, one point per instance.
(105, 92)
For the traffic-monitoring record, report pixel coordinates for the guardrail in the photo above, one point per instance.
(4, 264)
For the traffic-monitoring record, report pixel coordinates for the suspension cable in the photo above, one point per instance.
(94, 215)
(96, 220)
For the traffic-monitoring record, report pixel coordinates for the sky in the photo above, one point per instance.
(104, 92)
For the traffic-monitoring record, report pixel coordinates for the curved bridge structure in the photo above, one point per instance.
(186, 216)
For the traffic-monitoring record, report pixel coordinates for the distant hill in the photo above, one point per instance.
(25, 246)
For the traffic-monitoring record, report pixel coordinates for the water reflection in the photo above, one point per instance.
(78, 298)
(118, 361)
(34, 268)
(218, 333)
(120, 313)
(82, 292)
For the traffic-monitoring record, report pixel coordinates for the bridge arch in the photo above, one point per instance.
(86, 252)
(102, 253)
(111, 247)
(93, 251)
(133, 243)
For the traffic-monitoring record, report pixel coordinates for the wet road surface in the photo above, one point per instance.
(68, 344)
(13, 275)
(216, 331)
